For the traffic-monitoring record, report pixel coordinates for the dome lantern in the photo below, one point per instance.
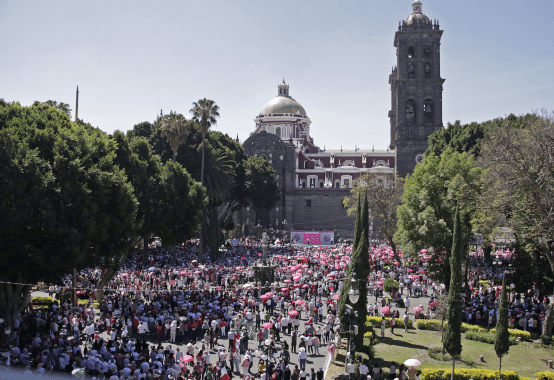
(283, 89)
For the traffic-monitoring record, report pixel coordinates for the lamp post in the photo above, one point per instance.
(353, 296)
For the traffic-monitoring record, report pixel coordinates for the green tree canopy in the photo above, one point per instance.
(426, 216)
(64, 201)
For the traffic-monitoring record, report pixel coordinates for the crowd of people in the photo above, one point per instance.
(168, 316)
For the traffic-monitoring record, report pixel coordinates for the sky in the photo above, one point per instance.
(133, 58)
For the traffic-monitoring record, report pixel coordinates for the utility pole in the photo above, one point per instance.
(77, 105)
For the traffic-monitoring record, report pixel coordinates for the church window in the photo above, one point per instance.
(303, 184)
(346, 181)
(428, 110)
(410, 111)
(337, 184)
(321, 184)
(411, 52)
(312, 180)
(427, 51)
(427, 69)
(306, 165)
(278, 131)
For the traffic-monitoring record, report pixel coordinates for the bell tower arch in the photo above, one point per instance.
(416, 88)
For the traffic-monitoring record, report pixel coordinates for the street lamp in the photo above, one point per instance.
(354, 292)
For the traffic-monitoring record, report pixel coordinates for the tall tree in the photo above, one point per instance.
(65, 204)
(520, 173)
(453, 334)
(205, 112)
(175, 129)
(360, 266)
(358, 225)
(386, 195)
(426, 216)
(502, 337)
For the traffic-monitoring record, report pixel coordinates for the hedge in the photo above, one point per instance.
(398, 322)
(42, 300)
(525, 335)
(487, 337)
(429, 324)
(544, 375)
(466, 374)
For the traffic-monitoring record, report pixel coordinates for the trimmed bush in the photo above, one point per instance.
(544, 375)
(466, 374)
(486, 337)
(390, 285)
(436, 353)
(42, 300)
(430, 324)
(398, 322)
(525, 335)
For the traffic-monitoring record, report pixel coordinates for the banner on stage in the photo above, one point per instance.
(312, 237)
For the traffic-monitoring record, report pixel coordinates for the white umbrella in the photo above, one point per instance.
(412, 363)
(151, 269)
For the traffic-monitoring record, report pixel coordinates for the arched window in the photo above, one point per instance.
(337, 184)
(411, 52)
(427, 51)
(306, 164)
(428, 110)
(427, 70)
(278, 131)
(263, 156)
(410, 111)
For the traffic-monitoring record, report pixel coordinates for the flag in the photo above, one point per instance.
(224, 375)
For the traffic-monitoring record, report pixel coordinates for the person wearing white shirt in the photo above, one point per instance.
(363, 371)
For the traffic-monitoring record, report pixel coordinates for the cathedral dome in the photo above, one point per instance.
(283, 104)
(417, 17)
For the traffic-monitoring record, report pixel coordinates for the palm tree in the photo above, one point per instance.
(176, 130)
(204, 112)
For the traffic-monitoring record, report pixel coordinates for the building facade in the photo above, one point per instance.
(314, 181)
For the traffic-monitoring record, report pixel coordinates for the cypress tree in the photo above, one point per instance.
(358, 225)
(360, 265)
(453, 334)
(502, 338)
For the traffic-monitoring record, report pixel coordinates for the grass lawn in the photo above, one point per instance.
(523, 357)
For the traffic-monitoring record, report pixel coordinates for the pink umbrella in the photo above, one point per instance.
(284, 289)
(410, 270)
(124, 274)
(417, 308)
(385, 310)
(286, 281)
(299, 302)
(267, 325)
(293, 313)
(380, 282)
(187, 359)
(335, 297)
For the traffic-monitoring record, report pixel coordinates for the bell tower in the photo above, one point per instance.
(416, 88)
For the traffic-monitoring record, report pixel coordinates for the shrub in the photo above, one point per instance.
(398, 322)
(525, 335)
(390, 285)
(368, 334)
(544, 375)
(430, 324)
(466, 374)
(486, 337)
(42, 300)
(436, 353)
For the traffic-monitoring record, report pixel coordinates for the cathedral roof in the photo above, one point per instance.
(417, 17)
(283, 103)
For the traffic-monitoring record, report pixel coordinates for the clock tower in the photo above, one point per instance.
(416, 88)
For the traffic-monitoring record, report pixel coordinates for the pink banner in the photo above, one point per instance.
(311, 237)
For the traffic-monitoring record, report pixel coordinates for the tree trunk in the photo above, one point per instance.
(200, 245)
(548, 320)
(500, 368)
(13, 299)
(453, 365)
(174, 155)
(487, 249)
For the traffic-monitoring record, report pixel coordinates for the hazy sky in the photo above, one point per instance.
(129, 56)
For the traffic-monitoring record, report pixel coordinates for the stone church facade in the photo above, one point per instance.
(314, 181)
